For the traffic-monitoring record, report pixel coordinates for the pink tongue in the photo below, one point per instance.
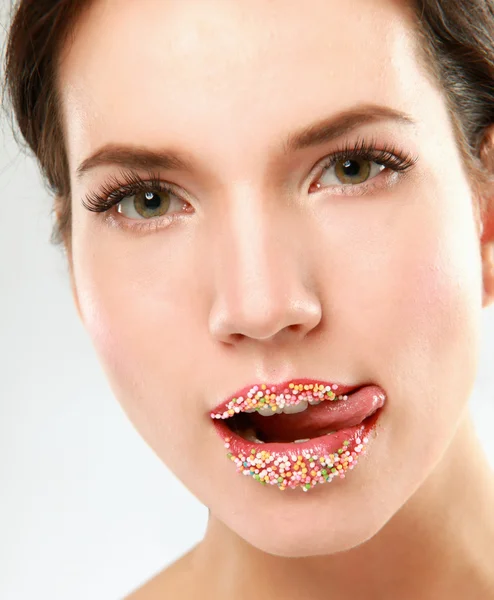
(320, 419)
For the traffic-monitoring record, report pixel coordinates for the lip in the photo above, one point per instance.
(302, 464)
(324, 444)
(233, 403)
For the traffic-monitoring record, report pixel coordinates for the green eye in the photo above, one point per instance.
(145, 205)
(353, 171)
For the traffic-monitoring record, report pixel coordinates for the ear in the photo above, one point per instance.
(64, 217)
(487, 223)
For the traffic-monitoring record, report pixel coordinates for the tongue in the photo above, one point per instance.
(320, 419)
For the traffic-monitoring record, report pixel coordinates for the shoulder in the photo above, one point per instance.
(177, 580)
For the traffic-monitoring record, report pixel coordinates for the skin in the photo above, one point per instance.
(264, 281)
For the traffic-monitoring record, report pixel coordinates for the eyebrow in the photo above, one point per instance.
(317, 133)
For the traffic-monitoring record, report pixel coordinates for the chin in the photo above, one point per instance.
(294, 524)
(311, 537)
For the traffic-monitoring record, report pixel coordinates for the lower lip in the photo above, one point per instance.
(319, 460)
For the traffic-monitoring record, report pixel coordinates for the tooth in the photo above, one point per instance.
(250, 435)
(300, 441)
(296, 408)
(315, 401)
(266, 411)
(251, 410)
(252, 438)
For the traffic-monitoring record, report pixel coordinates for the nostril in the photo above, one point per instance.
(236, 337)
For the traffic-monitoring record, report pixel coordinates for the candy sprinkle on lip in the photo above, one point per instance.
(301, 463)
(292, 395)
(305, 470)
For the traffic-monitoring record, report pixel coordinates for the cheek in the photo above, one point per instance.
(437, 301)
(433, 326)
(403, 298)
(143, 312)
(423, 339)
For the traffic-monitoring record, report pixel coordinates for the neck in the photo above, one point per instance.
(437, 545)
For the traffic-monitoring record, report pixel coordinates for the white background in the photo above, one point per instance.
(87, 510)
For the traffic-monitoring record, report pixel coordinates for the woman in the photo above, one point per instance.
(279, 225)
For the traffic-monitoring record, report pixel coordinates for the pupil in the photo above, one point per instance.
(348, 167)
(152, 200)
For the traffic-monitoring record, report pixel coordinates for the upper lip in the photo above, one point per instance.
(280, 387)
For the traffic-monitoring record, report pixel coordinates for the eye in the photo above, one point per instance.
(147, 204)
(351, 171)
(353, 166)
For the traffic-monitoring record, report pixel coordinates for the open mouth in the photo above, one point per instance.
(306, 428)
(299, 422)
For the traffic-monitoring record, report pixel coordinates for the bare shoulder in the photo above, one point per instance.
(177, 580)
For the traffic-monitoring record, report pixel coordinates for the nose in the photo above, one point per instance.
(262, 286)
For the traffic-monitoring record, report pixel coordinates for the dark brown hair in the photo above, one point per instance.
(455, 43)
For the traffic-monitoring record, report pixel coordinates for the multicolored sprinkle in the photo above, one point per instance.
(299, 467)
(264, 397)
(305, 470)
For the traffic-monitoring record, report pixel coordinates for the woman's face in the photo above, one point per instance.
(260, 274)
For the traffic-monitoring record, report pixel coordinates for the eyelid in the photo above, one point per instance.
(127, 184)
(114, 190)
(371, 150)
(390, 155)
(143, 225)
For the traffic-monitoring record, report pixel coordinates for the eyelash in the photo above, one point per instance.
(390, 156)
(112, 192)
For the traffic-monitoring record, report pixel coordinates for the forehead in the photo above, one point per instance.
(237, 74)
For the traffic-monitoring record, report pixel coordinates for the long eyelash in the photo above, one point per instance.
(390, 156)
(112, 192)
